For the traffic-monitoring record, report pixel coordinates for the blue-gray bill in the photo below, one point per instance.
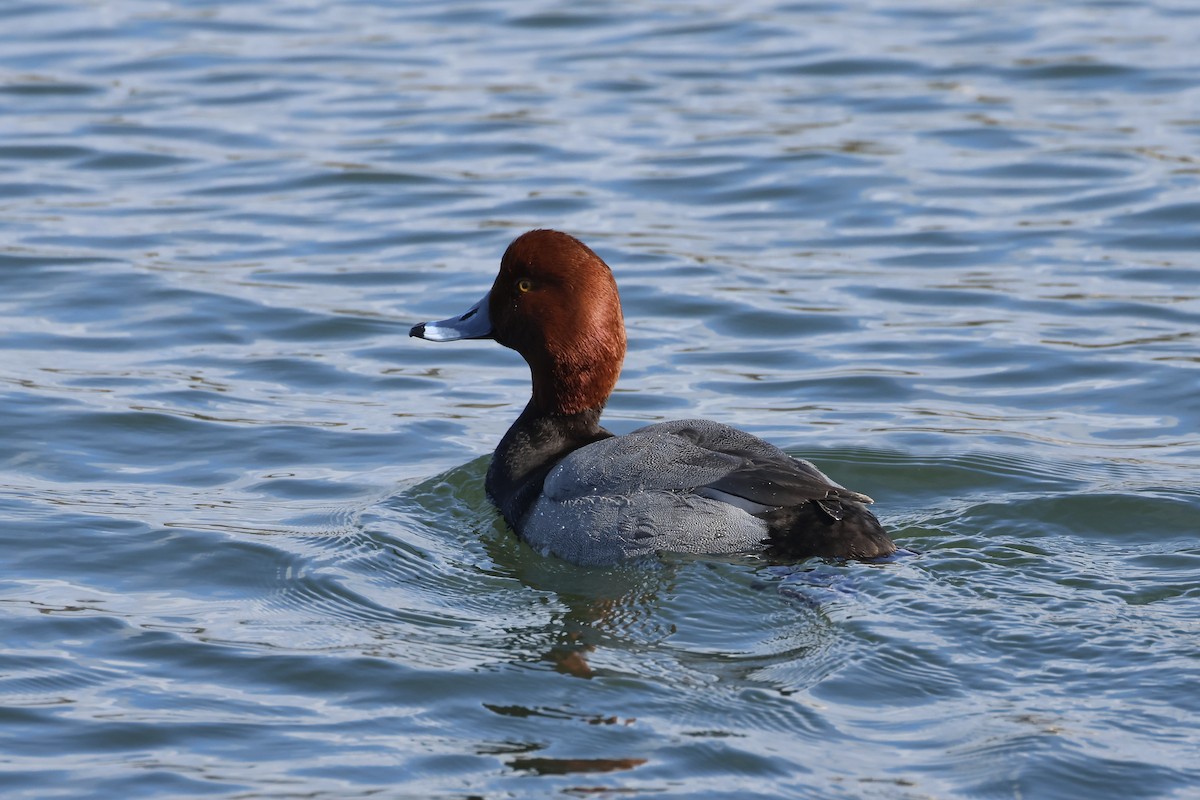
(476, 323)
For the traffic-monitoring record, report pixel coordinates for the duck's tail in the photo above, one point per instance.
(836, 527)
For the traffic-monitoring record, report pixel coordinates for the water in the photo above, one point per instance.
(947, 250)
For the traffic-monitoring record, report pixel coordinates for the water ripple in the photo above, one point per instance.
(945, 251)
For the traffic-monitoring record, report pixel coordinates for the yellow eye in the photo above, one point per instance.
(524, 284)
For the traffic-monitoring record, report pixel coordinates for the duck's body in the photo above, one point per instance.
(569, 487)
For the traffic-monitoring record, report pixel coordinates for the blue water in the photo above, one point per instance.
(949, 251)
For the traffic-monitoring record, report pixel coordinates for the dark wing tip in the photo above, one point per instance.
(859, 496)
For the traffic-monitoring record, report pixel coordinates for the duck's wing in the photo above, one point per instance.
(763, 477)
(697, 456)
(654, 458)
(760, 486)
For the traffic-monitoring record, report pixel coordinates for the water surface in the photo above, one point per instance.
(946, 250)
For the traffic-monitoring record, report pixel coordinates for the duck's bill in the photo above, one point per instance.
(475, 324)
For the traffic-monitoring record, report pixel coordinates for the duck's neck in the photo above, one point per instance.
(575, 386)
(534, 444)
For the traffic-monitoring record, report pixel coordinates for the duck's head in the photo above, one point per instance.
(555, 302)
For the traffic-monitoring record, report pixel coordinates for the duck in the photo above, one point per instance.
(572, 489)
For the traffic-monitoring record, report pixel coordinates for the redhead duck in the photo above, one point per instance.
(569, 487)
